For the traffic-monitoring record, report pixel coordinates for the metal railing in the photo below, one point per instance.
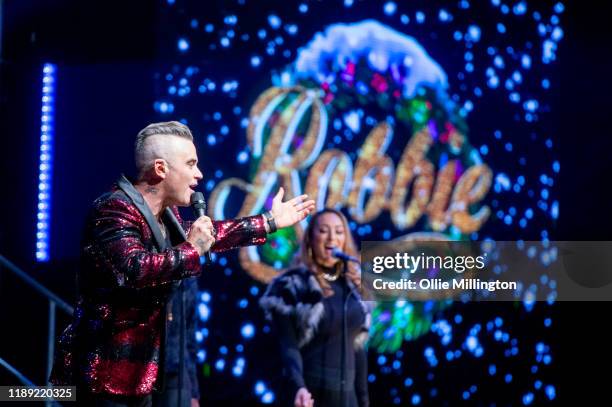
(24, 380)
(54, 303)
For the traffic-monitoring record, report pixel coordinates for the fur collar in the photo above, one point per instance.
(297, 292)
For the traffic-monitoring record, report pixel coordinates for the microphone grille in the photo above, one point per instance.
(197, 198)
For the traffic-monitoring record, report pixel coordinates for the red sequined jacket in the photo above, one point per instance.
(115, 343)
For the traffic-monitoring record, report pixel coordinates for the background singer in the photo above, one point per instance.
(321, 319)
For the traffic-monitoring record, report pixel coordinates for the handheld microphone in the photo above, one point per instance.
(198, 203)
(337, 253)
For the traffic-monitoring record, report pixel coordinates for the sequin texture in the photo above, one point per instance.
(114, 343)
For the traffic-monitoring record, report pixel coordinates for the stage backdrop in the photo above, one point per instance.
(414, 120)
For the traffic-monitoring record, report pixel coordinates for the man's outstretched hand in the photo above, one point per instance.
(290, 212)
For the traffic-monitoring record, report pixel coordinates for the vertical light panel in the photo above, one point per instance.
(45, 172)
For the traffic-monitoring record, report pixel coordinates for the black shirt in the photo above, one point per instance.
(328, 366)
(181, 325)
